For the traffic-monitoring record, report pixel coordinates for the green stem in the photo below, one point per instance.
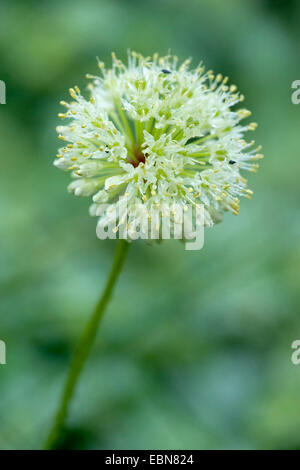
(84, 346)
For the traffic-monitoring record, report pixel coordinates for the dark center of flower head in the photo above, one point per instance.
(139, 157)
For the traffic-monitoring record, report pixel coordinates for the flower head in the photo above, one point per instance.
(156, 133)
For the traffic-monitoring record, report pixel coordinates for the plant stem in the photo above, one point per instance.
(84, 346)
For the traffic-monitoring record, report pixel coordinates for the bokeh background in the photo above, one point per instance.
(194, 351)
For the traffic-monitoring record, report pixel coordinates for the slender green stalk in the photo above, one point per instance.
(84, 347)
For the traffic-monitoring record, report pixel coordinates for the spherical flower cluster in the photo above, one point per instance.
(156, 133)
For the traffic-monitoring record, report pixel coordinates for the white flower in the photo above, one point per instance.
(155, 134)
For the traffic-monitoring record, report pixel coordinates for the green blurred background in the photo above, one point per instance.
(194, 351)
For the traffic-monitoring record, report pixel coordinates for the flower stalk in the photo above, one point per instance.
(84, 347)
